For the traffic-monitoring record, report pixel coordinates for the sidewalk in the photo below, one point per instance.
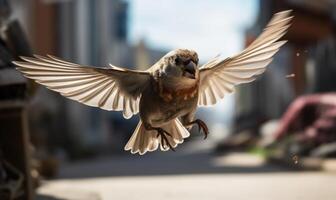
(275, 186)
(186, 175)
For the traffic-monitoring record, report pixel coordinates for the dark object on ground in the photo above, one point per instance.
(15, 169)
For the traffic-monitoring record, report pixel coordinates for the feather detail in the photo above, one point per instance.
(219, 75)
(112, 88)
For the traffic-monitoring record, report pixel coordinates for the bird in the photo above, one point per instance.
(168, 93)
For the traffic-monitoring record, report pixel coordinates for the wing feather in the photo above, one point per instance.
(111, 88)
(219, 76)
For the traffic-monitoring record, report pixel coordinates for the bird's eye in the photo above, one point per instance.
(177, 61)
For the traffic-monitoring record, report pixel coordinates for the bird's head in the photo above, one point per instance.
(181, 63)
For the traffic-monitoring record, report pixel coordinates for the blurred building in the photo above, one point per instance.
(309, 55)
(15, 158)
(90, 33)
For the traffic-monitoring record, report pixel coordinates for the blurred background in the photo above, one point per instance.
(274, 138)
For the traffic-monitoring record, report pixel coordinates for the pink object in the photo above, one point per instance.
(314, 116)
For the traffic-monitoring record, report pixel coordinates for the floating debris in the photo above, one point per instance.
(295, 159)
(297, 54)
(290, 76)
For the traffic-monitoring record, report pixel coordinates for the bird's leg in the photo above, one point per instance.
(161, 132)
(201, 125)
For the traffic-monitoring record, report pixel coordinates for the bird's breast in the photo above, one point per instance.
(159, 104)
(175, 90)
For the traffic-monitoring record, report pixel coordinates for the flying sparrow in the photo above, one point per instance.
(167, 94)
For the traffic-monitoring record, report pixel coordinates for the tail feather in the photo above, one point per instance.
(143, 140)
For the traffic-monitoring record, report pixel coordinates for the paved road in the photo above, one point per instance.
(187, 175)
(280, 186)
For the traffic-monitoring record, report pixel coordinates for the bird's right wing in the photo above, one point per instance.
(111, 88)
(220, 75)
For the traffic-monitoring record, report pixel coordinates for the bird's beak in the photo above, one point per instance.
(190, 70)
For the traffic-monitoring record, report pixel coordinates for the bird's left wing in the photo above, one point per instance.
(110, 88)
(219, 76)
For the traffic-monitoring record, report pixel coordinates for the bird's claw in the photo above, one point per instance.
(202, 127)
(164, 140)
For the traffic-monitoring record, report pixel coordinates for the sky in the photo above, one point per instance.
(210, 27)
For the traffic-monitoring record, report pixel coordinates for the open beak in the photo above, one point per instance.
(190, 70)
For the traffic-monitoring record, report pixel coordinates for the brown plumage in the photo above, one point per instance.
(167, 94)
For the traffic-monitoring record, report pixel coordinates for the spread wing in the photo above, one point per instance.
(219, 76)
(110, 88)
